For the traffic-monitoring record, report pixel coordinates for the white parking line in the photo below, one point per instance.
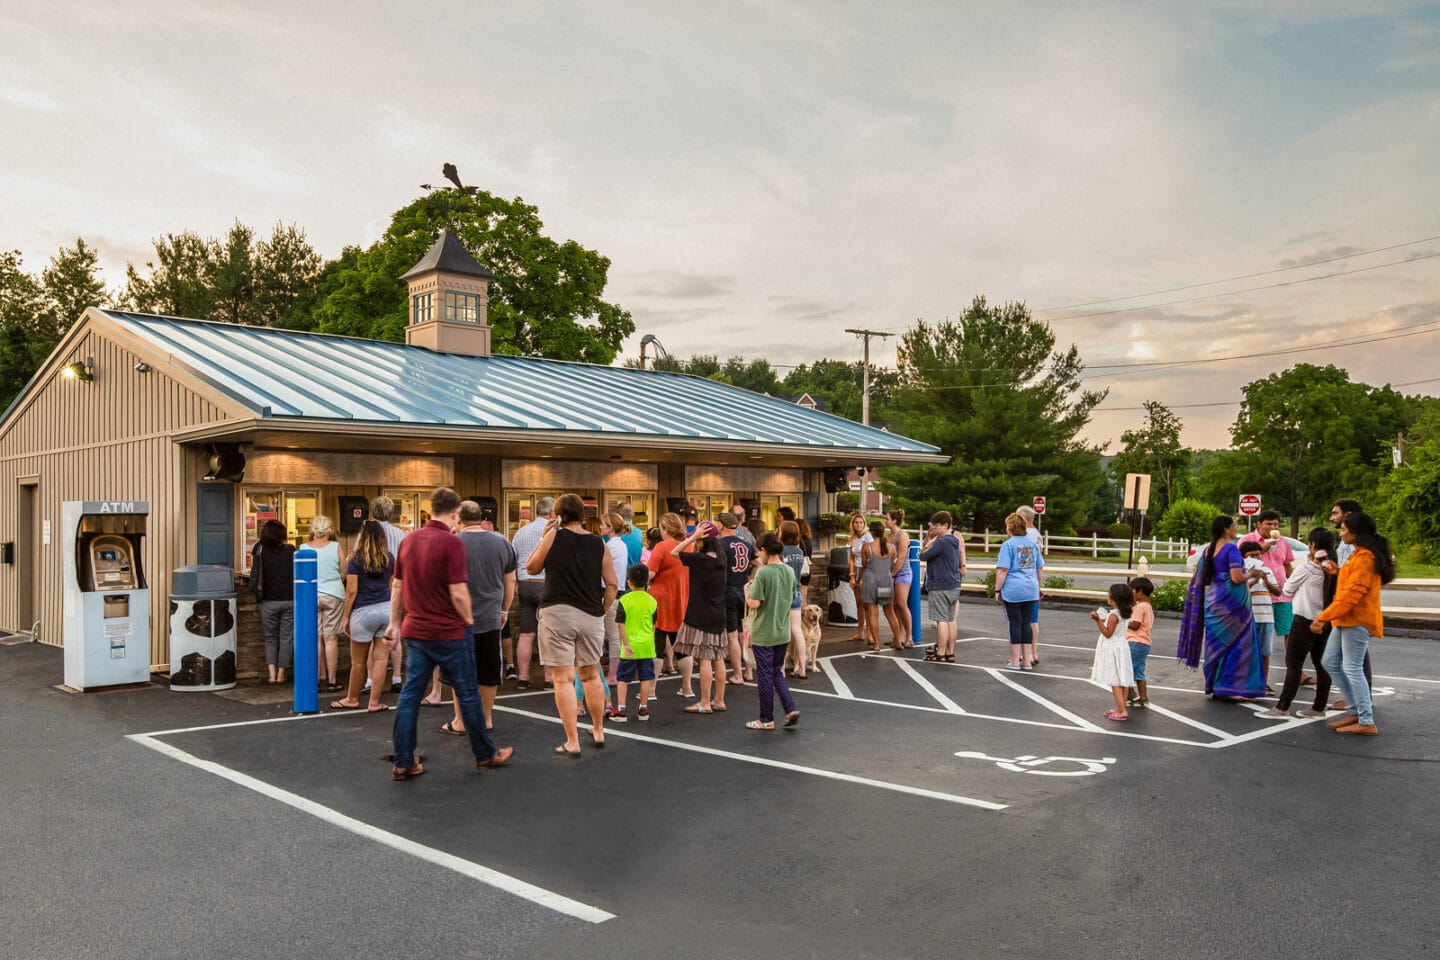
(950, 705)
(485, 875)
(1054, 708)
(841, 688)
(1273, 667)
(777, 764)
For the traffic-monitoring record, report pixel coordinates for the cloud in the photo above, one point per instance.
(1321, 256)
(679, 285)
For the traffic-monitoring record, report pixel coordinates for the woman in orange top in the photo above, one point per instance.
(670, 586)
(1355, 612)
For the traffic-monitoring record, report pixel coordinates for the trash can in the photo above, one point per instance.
(202, 628)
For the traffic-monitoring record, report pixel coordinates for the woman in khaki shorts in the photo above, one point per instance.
(579, 585)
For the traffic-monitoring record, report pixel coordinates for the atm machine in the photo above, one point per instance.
(107, 601)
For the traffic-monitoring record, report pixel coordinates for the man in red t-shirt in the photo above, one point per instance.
(430, 612)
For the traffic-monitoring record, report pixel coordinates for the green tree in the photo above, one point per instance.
(1187, 520)
(1309, 435)
(36, 313)
(992, 392)
(841, 386)
(1154, 448)
(286, 269)
(753, 375)
(1406, 502)
(179, 281)
(547, 298)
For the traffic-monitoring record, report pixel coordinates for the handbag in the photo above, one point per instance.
(885, 594)
(805, 566)
(257, 576)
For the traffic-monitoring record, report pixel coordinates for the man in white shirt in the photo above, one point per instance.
(532, 591)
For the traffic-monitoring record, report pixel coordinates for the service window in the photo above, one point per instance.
(520, 508)
(412, 508)
(770, 505)
(294, 508)
(643, 504)
(708, 506)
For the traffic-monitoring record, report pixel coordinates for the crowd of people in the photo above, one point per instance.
(610, 608)
(1247, 595)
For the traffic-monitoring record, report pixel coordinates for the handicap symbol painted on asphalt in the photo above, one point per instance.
(1029, 764)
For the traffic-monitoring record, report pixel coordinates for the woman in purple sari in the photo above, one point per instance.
(1217, 617)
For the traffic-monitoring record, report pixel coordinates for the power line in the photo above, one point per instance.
(1266, 286)
(1248, 276)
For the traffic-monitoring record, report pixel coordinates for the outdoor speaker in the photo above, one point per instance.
(226, 463)
(835, 480)
(353, 511)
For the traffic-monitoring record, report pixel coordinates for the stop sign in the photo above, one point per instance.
(1249, 504)
(1039, 504)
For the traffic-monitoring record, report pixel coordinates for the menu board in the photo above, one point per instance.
(759, 479)
(564, 475)
(399, 470)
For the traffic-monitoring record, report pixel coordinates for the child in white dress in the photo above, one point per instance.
(1112, 654)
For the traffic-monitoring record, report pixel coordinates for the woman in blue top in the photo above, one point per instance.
(329, 596)
(367, 612)
(1017, 586)
(794, 558)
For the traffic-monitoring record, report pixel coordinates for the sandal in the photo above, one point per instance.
(378, 708)
(931, 655)
(449, 727)
(563, 751)
(792, 718)
(760, 725)
(1117, 717)
(948, 658)
(696, 708)
(341, 705)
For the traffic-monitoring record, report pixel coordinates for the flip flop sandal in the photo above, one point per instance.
(792, 718)
(696, 708)
(380, 709)
(449, 727)
(561, 751)
(760, 725)
(718, 707)
(337, 705)
(1118, 718)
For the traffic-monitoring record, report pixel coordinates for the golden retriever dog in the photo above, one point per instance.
(810, 629)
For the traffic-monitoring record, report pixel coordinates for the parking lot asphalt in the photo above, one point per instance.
(917, 810)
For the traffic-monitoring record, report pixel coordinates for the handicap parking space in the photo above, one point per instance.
(889, 749)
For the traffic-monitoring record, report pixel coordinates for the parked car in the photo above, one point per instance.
(1300, 550)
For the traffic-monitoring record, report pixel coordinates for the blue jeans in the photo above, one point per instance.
(1345, 662)
(1021, 616)
(456, 660)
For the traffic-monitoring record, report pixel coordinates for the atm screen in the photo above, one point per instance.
(109, 555)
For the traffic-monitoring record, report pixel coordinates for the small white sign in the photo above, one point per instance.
(1396, 455)
(45, 533)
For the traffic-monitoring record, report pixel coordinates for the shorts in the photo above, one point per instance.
(612, 632)
(734, 613)
(1035, 614)
(905, 577)
(329, 612)
(1139, 655)
(1284, 618)
(570, 637)
(632, 670)
(368, 623)
(943, 605)
(531, 592)
(488, 661)
(663, 639)
(1265, 637)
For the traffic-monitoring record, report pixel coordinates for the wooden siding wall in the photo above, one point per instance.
(104, 440)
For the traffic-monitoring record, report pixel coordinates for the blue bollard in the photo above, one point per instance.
(914, 597)
(307, 631)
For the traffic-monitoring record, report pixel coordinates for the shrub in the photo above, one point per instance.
(1118, 531)
(1187, 520)
(1058, 583)
(990, 584)
(1169, 594)
(847, 502)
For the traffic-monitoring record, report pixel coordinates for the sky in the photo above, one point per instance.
(764, 175)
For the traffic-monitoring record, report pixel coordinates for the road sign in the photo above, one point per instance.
(1137, 491)
(1039, 504)
(1249, 504)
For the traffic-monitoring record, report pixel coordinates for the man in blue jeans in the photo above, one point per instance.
(430, 612)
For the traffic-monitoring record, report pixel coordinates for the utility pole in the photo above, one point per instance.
(865, 336)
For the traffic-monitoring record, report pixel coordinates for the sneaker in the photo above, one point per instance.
(651, 699)
(1274, 713)
(367, 683)
(643, 713)
(395, 685)
(687, 696)
(618, 716)
(1312, 714)
(611, 711)
(511, 673)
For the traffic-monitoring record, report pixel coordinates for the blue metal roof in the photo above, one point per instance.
(282, 375)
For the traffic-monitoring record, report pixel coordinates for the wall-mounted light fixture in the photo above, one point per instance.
(142, 367)
(83, 371)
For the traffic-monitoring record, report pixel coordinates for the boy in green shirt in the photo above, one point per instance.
(635, 616)
(771, 592)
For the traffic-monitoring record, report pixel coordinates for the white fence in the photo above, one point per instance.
(1092, 546)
